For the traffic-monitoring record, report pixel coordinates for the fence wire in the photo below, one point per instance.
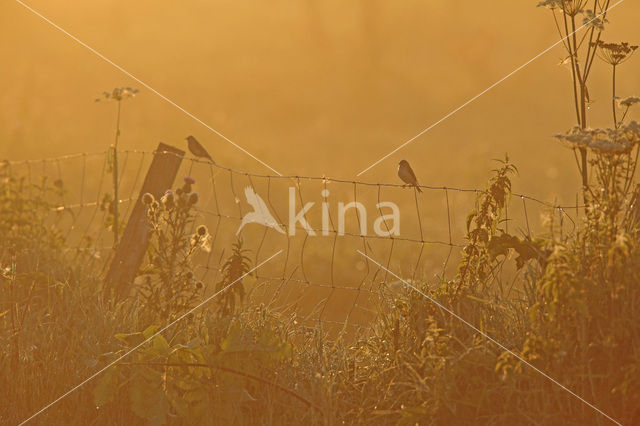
(320, 278)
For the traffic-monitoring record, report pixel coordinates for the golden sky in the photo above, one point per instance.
(309, 87)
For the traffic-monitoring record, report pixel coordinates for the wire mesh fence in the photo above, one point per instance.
(319, 276)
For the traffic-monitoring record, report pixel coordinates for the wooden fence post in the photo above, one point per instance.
(135, 238)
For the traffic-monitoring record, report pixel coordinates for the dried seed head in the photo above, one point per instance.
(147, 199)
(168, 199)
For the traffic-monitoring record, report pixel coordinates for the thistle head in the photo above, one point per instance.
(147, 199)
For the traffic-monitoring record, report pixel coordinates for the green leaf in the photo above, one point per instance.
(500, 245)
(150, 331)
(470, 218)
(159, 346)
(106, 387)
(234, 341)
(181, 406)
(147, 397)
(131, 339)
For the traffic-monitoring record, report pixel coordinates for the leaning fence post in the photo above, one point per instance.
(135, 237)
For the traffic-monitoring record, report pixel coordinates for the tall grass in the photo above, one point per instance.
(569, 304)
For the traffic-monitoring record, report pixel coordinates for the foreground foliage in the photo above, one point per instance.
(571, 311)
(466, 350)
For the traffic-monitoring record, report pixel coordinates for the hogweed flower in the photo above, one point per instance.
(118, 94)
(628, 102)
(604, 141)
(593, 20)
(614, 53)
(569, 7)
(551, 4)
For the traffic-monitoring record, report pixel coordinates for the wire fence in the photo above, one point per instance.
(319, 276)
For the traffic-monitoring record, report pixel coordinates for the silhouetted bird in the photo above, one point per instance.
(197, 149)
(406, 174)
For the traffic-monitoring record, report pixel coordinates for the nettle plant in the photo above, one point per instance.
(231, 286)
(166, 285)
(583, 324)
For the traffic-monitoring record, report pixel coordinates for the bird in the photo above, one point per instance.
(197, 149)
(260, 213)
(406, 174)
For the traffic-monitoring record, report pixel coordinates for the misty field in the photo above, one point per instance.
(152, 277)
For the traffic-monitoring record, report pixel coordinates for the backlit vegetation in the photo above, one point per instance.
(567, 303)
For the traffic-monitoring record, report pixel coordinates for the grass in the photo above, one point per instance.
(569, 304)
(572, 312)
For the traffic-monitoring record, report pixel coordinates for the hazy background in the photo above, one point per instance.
(309, 87)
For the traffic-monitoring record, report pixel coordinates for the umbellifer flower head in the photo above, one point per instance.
(604, 141)
(569, 7)
(614, 53)
(118, 94)
(628, 102)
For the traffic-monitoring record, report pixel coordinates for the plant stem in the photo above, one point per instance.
(573, 56)
(579, 79)
(613, 98)
(115, 179)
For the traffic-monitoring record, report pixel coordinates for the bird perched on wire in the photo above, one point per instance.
(197, 149)
(405, 172)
